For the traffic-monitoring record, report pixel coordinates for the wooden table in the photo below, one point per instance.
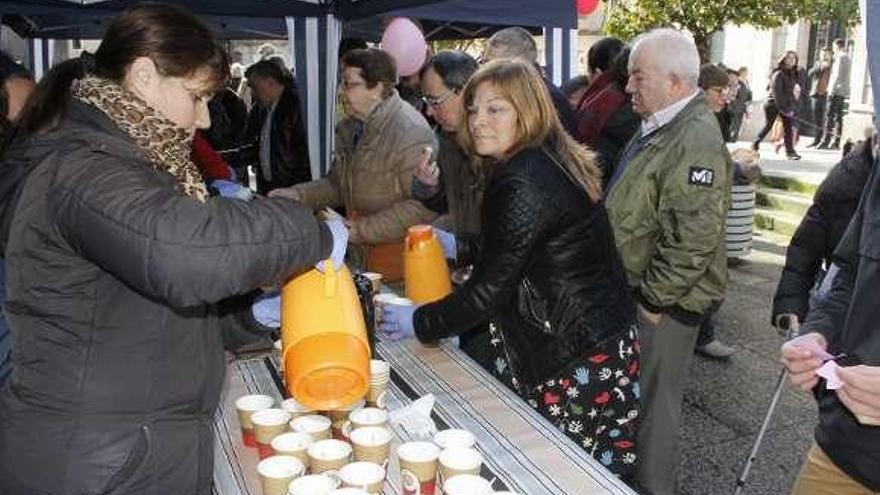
(523, 452)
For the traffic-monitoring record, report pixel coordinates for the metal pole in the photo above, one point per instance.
(793, 330)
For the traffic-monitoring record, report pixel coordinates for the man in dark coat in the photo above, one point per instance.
(15, 86)
(819, 233)
(516, 42)
(276, 135)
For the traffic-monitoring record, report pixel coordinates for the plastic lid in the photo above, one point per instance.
(420, 233)
(328, 371)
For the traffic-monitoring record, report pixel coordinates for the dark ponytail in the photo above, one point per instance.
(177, 42)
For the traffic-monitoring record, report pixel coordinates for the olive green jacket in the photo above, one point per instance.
(668, 210)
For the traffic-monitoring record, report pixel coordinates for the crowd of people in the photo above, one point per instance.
(586, 225)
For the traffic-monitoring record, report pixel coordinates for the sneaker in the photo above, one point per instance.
(814, 144)
(716, 350)
(793, 156)
(823, 146)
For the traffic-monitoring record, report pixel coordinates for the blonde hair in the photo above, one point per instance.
(537, 123)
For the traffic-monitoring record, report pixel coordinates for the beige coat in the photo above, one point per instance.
(374, 177)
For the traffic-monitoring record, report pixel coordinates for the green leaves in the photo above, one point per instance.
(702, 18)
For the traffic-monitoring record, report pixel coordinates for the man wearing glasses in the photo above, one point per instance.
(516, 42)
(451, 189)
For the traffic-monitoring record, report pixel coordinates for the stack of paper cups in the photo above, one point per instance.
(380, 375)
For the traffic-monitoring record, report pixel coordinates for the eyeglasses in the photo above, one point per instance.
(436, 102)
(349, 85)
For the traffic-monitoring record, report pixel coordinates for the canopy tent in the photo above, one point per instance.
(315, 27)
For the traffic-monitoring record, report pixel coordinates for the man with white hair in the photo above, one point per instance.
(516, 42)
(667, 202)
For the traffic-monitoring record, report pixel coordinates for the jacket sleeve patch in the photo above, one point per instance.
(700, 176)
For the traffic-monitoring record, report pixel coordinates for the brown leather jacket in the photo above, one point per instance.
(373, 177)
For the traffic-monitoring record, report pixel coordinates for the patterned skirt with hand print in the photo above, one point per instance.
(595, 401)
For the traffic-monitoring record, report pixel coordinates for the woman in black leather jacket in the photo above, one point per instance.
(546, 271)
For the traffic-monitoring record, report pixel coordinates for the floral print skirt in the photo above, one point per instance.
(594, 401)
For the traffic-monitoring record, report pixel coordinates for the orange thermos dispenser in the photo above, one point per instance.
(425, 272)
(324, 342)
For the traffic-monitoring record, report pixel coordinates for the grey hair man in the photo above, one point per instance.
(667, 202)
(516, 42)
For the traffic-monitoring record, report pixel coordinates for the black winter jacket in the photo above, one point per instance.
(782, 85)
(289, 150)
(847, 316)
(113, 280)
(540, 228)
(820, 231)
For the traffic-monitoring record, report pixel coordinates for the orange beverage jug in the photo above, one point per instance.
(324, 340)
(425, 272)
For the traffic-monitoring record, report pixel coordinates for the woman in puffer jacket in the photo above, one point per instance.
(117, 261)
(546, 274)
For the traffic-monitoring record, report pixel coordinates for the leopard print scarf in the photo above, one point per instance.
(167, 145)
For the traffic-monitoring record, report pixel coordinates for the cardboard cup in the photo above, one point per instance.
(268, 424)
(365, 416)
(296, 409)
(328, 455)
(277, 472)
(340, 416)
(314, 424)
(294, 444)
(467, 484)
(455, 461)
(375, 281)
(246, 407)
(371, 444)
(454, 438)
(418, 467)
(313, 484)
(367, 476)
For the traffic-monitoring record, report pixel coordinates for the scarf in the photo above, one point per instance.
(167, 145)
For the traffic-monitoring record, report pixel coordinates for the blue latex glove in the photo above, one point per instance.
(397, 321)
(267, 310)
(233, 190)
(340, 244)
(447, 242)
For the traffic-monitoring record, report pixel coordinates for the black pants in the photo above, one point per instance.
(770, 113)
(820, 104)
(834, 120)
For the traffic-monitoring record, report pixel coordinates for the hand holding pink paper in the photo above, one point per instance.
(828, 371)
(810, 343)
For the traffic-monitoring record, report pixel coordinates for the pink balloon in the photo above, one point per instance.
(404, 41)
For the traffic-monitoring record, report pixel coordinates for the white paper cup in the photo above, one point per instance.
(375, 280)
(383, 298)
(379, 370)
(246, 406)
(314, 424)
(295, 408)
(328, 455)
(467, 484)
(268, 424)
(367, 476)
(293, 443)
(455, 438)
(365, 416)
(277, 472)
(313, 484)
(456, 461)
(418, 467)
(371, 443)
